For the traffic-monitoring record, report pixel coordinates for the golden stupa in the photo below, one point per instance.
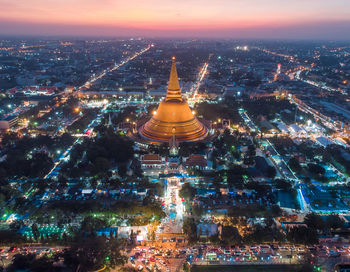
(173, 119)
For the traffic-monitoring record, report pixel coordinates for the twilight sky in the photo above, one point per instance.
(304, 19)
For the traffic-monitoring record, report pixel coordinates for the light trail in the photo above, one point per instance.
(251, 124)
(66, 154)
(320, 85)
(192, 100)
(326, 121)
(113, 68)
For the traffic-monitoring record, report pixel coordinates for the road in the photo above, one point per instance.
(297, 73)
(7, 253)
(113, 68)
(173, 207)
(277, 160)
(65, 156)
(321, 85)
(326, 121)
(95, 121)
(156, 258)
(193, 93)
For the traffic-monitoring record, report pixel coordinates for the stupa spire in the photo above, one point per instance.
(173, 120)
(174, 91)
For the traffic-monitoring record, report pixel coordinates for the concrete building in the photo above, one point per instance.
(8, 122)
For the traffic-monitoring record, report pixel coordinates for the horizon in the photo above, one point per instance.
(251, 19)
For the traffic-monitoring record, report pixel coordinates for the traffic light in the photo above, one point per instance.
(107, 258)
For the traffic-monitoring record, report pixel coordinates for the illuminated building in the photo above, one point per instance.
(173, 121)
(8, 122)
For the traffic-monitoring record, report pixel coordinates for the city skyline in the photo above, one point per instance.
(174, 136)
(229, 19)
(245, 145)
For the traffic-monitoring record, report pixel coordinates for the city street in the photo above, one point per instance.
(173, 207)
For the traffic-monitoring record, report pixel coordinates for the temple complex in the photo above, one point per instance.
(173, 120)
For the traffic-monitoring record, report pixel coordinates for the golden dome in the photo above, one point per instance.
(173, 117)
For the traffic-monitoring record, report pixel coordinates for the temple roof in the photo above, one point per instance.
(174, 91)
(173, 119)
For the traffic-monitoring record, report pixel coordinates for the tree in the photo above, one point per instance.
(122, 170)
(39, 165)
(314, 221)
(2, 199)
(66, 140)
(187, 191)
(234, 175)
(101, 165)
(316, 169)
(270, 171)
(260, 234)
(294, 165)
(189, 228)
(302, 235)
(251, 150)
(9, 237)
(62, 182)
(9, 138)
(16, 225)
(92, 253)
(333, 221)
(283, 184)
(90, 224)
(276, 210)
(31, 263)
(197, 210)
(230, 235)
(35, 230)
(214, 239)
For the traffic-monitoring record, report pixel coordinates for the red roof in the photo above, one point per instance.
(151, 157)
(195, 160)
(12, 91)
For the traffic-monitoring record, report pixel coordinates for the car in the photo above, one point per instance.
(247, 254)
(265, 249)
(12, 249)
